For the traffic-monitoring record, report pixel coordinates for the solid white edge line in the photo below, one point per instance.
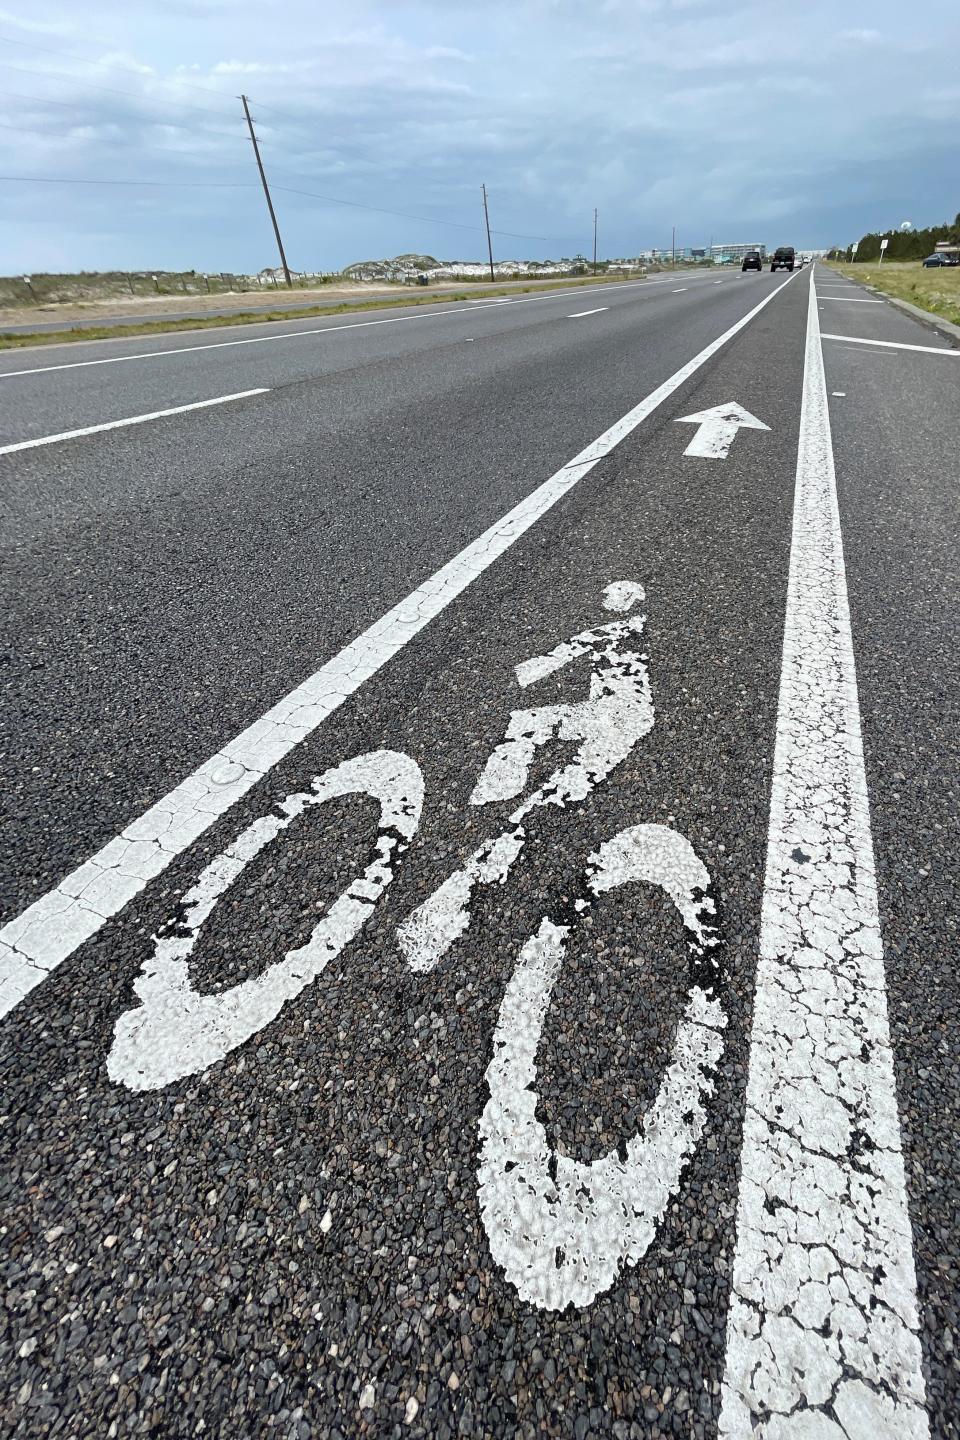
(822, 1327)
(428, 313)
(53, 927)
(131, 420)
(890, 344)
(850, 300)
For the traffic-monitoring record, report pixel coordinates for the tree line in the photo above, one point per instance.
(904, 244)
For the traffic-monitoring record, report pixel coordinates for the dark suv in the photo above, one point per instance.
(752, 261)
(783, 258)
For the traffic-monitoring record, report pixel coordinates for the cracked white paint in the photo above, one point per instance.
(561, 1229)
(822, 1339)
(622, 595)
(53, 927)
(176, 1031)
(717, 429)
(617, 714)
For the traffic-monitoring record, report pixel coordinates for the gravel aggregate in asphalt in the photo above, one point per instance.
(291, 1243)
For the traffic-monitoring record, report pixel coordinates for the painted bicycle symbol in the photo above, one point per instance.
(559, 1229)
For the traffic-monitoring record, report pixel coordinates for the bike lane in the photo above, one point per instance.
(297, 1231)
(896, 438)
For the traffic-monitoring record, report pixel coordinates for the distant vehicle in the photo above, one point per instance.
(783, 258)
(752, 261)
(934, 261)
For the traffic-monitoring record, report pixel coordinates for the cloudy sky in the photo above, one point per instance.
(805, 124)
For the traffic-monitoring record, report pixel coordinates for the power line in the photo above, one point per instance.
(421, 219)
(116, 64)
(287, 190)
(309, 194)
(108, 89)
(313, 195)
(225, 134)
(102, 142)
(29, 130)
(44, 99)
(152, 184)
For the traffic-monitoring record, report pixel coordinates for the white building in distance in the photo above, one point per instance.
(719, 253)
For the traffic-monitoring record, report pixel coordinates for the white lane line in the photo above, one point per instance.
(579, 314)
(822, 1334)
(54, 926)
(132, 420)
(890, 344)
(850, 300)
(427, 314)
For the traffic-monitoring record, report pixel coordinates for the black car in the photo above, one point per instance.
(783, 258)
(752, 261)
(933, 261)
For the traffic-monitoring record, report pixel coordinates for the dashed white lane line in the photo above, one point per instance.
(579, 314)
(131, 420)
(274, 337)
(822, 1333)
(681, 291)
(891, 344)
(53, 927)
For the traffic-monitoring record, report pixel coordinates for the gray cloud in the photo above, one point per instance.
(660, 112)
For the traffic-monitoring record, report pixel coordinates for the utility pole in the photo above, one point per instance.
(673, 247)
(486, 217)
(594, 240)
(266, 191)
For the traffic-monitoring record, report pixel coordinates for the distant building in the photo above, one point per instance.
(720, 253)
(682, 252)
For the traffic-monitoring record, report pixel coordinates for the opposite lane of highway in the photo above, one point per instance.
(67, 387)
(273, 531)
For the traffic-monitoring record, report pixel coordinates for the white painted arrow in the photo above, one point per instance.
(718, 429)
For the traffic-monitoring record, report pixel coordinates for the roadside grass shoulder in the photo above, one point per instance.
(308, 312)
(935, 290)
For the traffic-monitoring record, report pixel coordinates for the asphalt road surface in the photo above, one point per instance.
(479, 873)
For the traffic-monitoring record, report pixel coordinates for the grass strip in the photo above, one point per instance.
(935, 290)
